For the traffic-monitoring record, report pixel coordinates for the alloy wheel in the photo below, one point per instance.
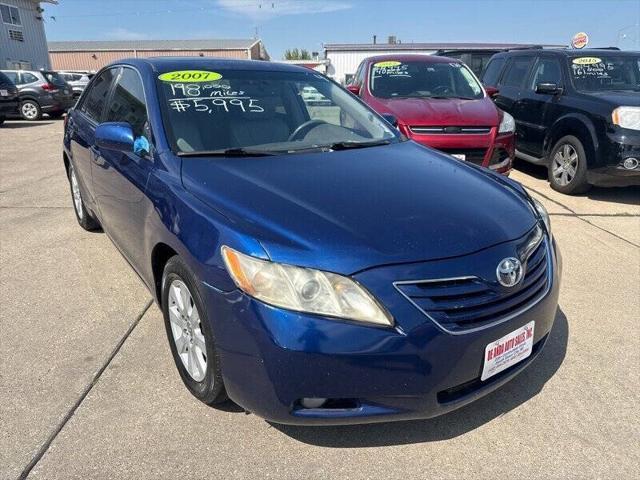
(187, 330)
(75, 190)
(565, 165)
(29, 111)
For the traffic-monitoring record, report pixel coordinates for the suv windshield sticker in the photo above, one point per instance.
(591, 69)
(586, 60)
(190, 76)
(393, 69)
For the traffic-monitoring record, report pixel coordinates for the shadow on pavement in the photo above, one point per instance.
(523, 387)
(24, 124)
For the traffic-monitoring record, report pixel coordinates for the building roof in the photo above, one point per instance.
(371, 47)
(206, 44)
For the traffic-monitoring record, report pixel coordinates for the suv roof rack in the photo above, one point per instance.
(532, 47)
(604, 48)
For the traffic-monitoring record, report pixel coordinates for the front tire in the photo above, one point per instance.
(85, 219)
(190, 337)
(568, 166)
(30, 110)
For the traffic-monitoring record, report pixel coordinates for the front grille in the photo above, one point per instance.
(472, 155)
(450, 130)
(465, 303)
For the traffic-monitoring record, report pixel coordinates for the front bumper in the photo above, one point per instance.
(489, 150)
(271, 358)
(621, 144)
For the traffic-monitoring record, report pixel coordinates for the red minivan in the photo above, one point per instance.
(438, 102)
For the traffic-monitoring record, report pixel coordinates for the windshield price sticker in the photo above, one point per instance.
(215, 104)
(394, 69)
(190, 76)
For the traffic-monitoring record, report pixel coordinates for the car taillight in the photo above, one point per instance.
(49, 87)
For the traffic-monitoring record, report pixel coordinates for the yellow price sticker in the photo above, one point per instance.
(190, 76)
(387, 64)
(586, 60)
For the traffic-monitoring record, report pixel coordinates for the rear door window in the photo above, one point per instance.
(95, 99)
(29, 78)
(517, 71)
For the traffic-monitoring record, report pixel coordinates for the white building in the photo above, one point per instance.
(23, 44)
(344, 58)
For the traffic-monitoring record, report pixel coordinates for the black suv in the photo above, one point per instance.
(8, 98)
(576, 111)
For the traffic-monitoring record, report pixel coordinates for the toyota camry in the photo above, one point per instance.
(312, 264)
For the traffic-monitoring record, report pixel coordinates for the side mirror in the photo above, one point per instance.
(491, 91)
(355, 89)
(391, 119)
(548, 88)
(115, 136)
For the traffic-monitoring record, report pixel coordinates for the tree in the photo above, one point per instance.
(296, 54)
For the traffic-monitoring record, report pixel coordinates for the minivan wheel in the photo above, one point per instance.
(85, 219)
(190, 337)
(30, 110)
(568, 166)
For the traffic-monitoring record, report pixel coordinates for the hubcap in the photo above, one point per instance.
(565, 165)
(29, 110)
(187, 330)
(75, 190)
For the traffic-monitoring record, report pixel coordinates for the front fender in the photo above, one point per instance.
(570, 123)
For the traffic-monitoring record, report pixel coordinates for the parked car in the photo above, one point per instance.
(576, 111)
(313, 272)
(77, 80)
(41, 92)
(8, 98)
(438, 102)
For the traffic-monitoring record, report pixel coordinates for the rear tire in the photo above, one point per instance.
(85, 219)
(189, 333)
(568, 166)
(30, 110)
(2, 120)
(56, 115)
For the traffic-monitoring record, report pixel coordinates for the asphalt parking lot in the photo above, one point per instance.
(88, 388)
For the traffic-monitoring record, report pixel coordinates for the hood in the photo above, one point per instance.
(617, 97)
(350, 210)
(441, 112)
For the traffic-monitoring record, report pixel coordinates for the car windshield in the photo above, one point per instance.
(250, 111)
(606, 72)
(393, 79)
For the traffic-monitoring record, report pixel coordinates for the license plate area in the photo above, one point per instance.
(508, 350)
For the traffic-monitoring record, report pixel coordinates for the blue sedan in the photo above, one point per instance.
(312, 264)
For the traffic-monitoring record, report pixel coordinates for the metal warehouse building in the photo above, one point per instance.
(93, 55)
(23, 44)
(345, 57)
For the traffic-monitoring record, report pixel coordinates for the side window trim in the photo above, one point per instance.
(87, 91)
(112, 90)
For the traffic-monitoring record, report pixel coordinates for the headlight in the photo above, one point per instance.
(508, 124)
(303, 289)
(543, 214)
(626, 117)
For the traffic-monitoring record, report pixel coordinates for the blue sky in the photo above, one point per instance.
(310, 23)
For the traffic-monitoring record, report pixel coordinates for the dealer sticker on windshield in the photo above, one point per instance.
(507, 351)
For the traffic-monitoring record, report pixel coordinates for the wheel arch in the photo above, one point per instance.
(160, 255)
(580, 127)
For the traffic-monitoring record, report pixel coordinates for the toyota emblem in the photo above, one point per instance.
(509, 272)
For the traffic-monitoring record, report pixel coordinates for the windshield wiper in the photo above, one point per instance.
(348, 145)
(228, 152)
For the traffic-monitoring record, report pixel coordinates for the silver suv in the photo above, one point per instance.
(41, 92)
(77, 80)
